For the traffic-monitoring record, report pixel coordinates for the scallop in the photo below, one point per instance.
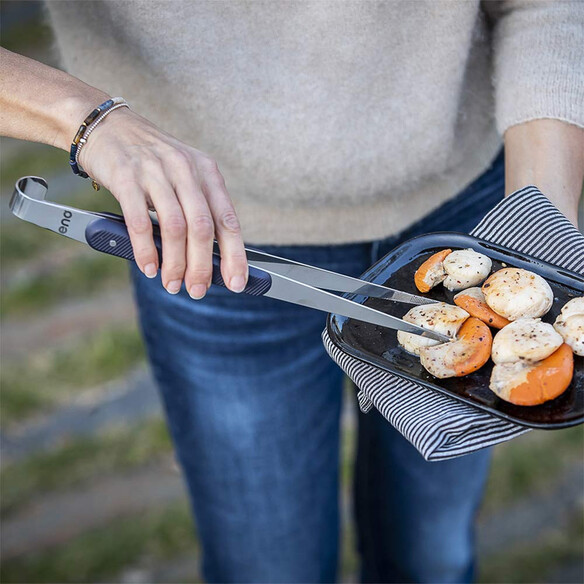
(570, 324)
(440, 317)
(431, 272)
(530, 384)
(516, 293)
(465, 268)
(526, 339)
(468, 353)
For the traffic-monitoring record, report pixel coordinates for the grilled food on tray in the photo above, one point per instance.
(468, 352)
(526, 339)
(570, 324)
(532, 363)
(441, 317)
(473, 301)
(515, 293)
(533, 360)
(455, 269)
(526, 383)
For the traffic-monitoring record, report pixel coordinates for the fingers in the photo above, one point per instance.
(190, 198)
(173, 231)
(227, 229)
(207, 206)
(134, 208)
(200, 233)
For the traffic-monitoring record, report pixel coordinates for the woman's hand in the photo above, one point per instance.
(144, 167)
(141, 165)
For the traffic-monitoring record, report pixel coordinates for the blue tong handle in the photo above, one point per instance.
(110, 235)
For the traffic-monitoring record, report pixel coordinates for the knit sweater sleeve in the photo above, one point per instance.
(538, 60)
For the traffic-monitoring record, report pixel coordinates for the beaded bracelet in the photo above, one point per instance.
(88, 125)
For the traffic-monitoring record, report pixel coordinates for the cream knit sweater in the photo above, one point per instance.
(334, 121)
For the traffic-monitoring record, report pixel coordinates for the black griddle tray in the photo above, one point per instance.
(378, 346)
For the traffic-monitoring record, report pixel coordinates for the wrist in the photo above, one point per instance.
(550, 155)
(97, 116)
(73, 110)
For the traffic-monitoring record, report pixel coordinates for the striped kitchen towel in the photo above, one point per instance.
(440, 427)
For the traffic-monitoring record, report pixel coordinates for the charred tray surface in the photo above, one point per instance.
(378, 346)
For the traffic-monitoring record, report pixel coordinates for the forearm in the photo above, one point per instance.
(42, 104)
(550, 155)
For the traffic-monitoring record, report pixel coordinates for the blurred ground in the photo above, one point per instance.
(89, 488)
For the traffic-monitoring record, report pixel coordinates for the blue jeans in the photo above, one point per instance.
(253, 404)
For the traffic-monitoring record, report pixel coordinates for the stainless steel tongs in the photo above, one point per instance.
(269, 275)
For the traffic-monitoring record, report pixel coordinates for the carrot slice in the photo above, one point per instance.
(431, 272)
(477, 307)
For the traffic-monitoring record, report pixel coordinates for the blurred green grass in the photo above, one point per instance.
(529, 463)
(101, 554)
(82, 460)
(41, 380)
(80, 277)
(25, 159)
(535, 562)
(26, 36)
(20, 243)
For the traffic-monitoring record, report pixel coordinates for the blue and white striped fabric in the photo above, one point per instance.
(438, 426)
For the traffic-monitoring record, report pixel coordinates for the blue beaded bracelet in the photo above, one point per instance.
(88, 125)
